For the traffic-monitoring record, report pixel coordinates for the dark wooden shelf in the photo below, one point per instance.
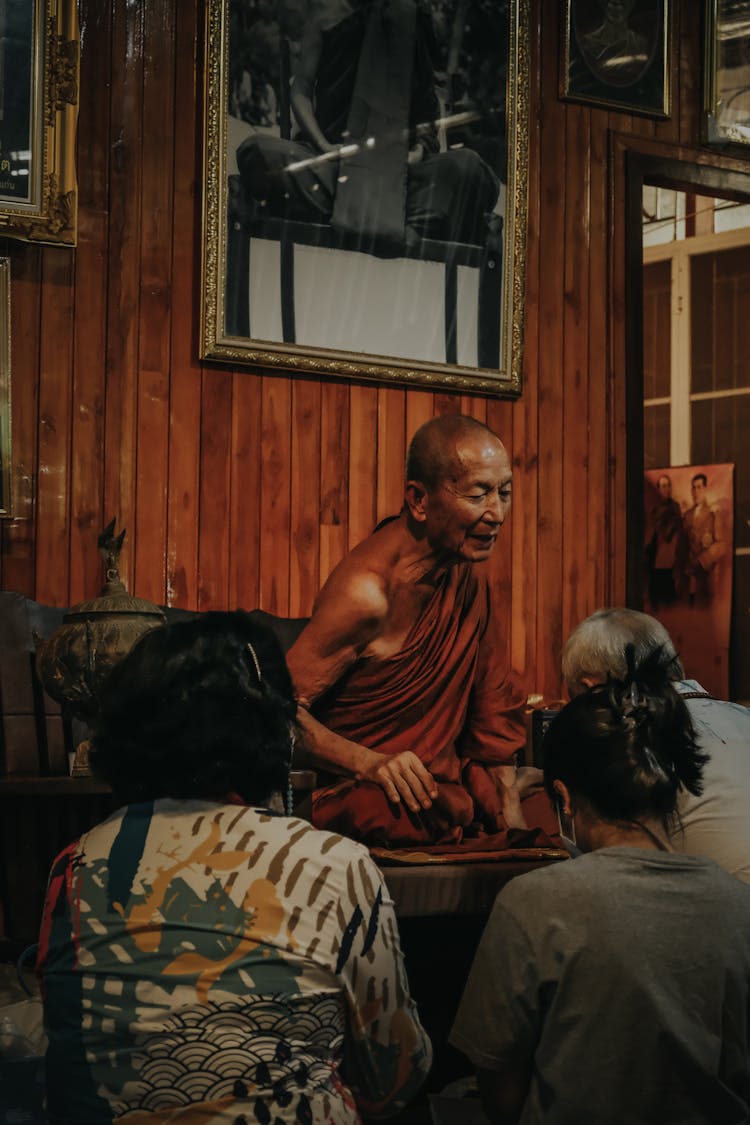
(17, 786)
(50, 786)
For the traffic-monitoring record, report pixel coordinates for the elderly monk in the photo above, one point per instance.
(399, 672)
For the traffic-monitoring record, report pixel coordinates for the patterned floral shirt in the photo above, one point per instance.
(217, 964)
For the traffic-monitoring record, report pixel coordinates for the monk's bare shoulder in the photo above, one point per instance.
(349, 613)
(359, 588)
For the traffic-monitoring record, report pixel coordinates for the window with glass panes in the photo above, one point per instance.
(696, 359)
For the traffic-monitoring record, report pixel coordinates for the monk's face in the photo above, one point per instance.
(465, 512)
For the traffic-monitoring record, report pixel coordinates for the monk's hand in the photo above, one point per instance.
(403, 777)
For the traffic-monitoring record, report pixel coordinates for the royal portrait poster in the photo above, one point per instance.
(688, 552)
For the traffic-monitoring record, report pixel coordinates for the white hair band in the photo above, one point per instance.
(256, 662)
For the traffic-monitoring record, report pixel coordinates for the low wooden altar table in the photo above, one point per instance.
(447, 889)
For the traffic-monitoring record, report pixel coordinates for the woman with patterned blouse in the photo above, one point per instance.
(204, 959)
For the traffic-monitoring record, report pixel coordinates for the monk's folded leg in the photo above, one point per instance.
(361, 810)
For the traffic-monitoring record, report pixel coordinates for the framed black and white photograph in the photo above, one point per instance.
(6, 492)
(39, 57)
(727, 72)
(365, 166)
(616, 55)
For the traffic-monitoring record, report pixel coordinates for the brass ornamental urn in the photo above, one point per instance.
(73, 662)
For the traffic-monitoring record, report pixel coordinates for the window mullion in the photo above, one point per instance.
(680, 359)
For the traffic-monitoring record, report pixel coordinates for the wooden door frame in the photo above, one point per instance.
(635, 162)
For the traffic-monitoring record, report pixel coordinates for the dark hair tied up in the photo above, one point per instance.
(256, 663)
(627, 746)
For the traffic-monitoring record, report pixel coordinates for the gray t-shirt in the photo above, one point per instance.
(625, 974)
(717, 823)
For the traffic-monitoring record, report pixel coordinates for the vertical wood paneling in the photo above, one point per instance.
(215, 495)
(244, 571)
(90, 325)
(475, 407)
(549, 382)
(419, 409)
(525, 426)
(334, 476)
(447, 403)
(575, 372)
(597, 584)
(391, 451)
(632, 125)
(87, 469)
(92, 146)
(617, 398)
(238, 488)
(185, 383)
(687, 98)
(55, 408)
(304, 568)
(19, 535)
(155, 304)
(123, 279)
(363, 461)
(498, 416)
(275, 493)
(184, 487)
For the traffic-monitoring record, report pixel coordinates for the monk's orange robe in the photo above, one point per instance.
(445, 696)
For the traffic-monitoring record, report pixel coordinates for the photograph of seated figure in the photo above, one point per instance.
(206, 957)
(364, 91)
(615, 987)
(401, 677)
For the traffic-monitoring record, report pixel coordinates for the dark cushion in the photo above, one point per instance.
(287, 629)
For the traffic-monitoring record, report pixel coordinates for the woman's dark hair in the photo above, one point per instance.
(198, 708)
(627, 746)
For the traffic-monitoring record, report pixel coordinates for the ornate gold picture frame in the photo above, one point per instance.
(39, 62)
(6, 479)
(364, 189)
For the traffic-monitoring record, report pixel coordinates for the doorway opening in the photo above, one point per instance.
(690, 358)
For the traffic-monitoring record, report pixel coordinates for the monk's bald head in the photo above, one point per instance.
(434, 454)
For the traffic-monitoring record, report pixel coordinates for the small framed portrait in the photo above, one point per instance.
(365, 169)
(39, 60)
(726, 75)
(616, 55)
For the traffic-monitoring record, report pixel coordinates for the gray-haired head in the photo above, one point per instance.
(595, 650)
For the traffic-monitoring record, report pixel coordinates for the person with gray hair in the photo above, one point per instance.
(717, 822)
(614, 989)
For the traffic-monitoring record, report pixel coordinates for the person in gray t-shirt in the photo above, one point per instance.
(615, 988)
(716, 823)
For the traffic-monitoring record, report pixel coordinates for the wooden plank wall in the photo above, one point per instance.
(245, 489)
